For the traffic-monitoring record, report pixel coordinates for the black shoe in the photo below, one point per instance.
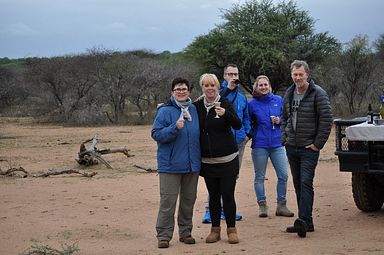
(301, 227)
(292, 229)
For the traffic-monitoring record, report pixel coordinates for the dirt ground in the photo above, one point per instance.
(115, 211)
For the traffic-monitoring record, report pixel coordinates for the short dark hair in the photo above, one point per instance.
(230, 65)
(179, 80)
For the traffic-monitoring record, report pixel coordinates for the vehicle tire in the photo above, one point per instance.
(367, 192)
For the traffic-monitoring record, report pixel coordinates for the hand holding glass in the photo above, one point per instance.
(273, 122)
(217, 104)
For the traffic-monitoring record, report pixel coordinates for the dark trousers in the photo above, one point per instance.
(222, 187)
(303, 162)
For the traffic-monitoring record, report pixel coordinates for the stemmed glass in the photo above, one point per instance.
(217, 104)
(273, 124)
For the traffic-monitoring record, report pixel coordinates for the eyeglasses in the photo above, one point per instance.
(179, 90)
(232, 74)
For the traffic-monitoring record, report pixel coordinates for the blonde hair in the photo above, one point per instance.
(210, 78)
(262, 77)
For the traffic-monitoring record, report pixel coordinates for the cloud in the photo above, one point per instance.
(205, 6)
(236, 1)
(121, 28)
(116, 26)
(19, 29)
(154, 29)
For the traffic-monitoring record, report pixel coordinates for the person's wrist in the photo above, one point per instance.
(231, 86)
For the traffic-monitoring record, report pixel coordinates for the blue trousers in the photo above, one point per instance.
(278, 158)
(303, 162)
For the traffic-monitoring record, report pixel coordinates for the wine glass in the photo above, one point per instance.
(273, 123)
(217, 104)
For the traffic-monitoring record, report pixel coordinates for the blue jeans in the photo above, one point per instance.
(303, 162)
(279, 160)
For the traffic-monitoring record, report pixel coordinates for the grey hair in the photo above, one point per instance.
(300, 63)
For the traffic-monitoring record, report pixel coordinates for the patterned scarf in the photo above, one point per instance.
(184, 105)
(207, 105)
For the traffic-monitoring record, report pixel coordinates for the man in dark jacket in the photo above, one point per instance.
(306, 125)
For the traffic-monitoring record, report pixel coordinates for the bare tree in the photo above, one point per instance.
(138, 79)
(379, 45)
(11, 89)
(81, 78)
(147, 86)
(357, 68)
(45, 75)
(68, 80)
(104, 85)
(152, 86)
(114, 78)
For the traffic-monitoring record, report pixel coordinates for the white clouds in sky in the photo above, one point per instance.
(49, 27)
(17, 29)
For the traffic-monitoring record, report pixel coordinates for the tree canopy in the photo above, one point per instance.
(262, 38)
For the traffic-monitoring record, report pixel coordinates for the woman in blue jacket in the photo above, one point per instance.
(176, 130)
(265, 111)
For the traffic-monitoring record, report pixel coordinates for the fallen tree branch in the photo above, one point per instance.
(64, 171)
(124, 150)
(11, 172)
(149, 170)
(92, 155)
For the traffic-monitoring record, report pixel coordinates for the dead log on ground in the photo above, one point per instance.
(92, 155)
(149, 170)
(12, 172)
(64, 171)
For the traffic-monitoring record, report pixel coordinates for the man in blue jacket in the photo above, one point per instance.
(177, 133)
(230, 89)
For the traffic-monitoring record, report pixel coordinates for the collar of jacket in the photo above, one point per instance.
(267, 98)
(170, 102)
(311, 87)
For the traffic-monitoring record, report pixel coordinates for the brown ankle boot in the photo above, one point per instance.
(232, 235)
(214, 236)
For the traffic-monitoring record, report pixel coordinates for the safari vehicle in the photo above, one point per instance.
(365, 159)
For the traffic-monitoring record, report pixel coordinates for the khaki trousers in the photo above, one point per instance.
(173, 186)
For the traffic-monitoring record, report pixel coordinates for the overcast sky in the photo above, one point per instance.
(30, 28)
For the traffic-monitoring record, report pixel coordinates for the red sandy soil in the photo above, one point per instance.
(115, 211)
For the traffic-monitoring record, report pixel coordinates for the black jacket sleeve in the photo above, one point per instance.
(230, 115)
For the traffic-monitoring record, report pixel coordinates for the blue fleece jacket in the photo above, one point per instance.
(240, 104)
(178, 150)
(260, 111)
